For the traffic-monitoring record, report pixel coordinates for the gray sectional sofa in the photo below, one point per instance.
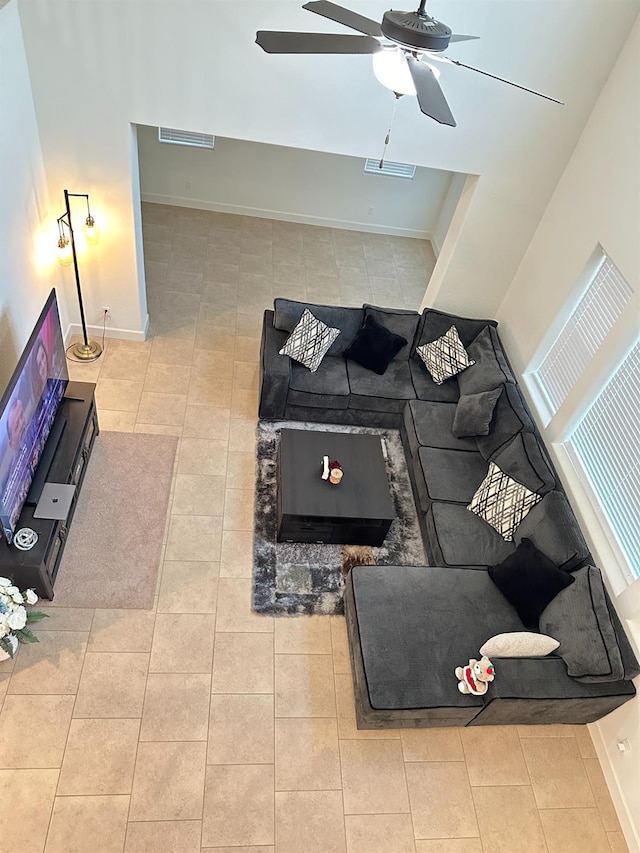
(409, 627)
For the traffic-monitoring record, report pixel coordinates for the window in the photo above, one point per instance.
(583, 333)
(588, 381)
(605, 449)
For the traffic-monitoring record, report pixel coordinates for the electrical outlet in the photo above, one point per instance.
(106, 312)
(187, 185)
(624, 745)
(370, 211)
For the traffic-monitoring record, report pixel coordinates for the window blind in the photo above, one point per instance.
(606, 445)
(584, 332)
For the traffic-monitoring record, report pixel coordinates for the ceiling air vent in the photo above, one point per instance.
(391, 170)
(185, 137)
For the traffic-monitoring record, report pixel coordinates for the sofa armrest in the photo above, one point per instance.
(275, 371)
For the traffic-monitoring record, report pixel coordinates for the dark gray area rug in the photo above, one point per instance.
(293, 578)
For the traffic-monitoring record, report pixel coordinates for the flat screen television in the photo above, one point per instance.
(27, 411)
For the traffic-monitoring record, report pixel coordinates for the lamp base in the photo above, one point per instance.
(86, 352)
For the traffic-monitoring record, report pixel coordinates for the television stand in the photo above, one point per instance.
(73, 432)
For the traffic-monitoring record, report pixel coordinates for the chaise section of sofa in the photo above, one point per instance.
(410, 627)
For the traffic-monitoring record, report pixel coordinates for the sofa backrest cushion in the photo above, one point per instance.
(490, 369)
(348, 320)
(524, 459)
(398, 321)
(434, 324)
(553, 528)
(509, 418)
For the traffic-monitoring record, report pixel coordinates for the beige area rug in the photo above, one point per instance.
(113, 551)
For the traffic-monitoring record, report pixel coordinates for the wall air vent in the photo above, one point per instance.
(391, 170)
(185, 137)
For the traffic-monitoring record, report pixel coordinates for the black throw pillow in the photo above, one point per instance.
(529, 580)
(375, 347)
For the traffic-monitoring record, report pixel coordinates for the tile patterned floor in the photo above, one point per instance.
(200, 725)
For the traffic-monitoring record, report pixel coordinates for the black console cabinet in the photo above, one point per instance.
(78, 421)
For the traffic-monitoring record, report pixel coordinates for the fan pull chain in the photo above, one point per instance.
(388, 136)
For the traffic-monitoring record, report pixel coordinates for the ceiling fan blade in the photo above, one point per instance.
(344, 16)
(459, 37)
(430, 96)
(502, 80)
(272, 41)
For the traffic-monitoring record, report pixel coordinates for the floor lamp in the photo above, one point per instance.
(85, 350)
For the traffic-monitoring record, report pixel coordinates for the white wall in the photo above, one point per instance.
(26, 255)
(289, 183)
(597, 201)
(448, 210)
(193, 64)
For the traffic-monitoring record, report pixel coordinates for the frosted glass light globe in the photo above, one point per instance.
(391, 69)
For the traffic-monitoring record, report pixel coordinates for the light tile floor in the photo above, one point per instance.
(200, 725)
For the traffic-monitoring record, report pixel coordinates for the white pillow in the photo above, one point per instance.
(309, 341)
(502, 502)
(445, 357)
(519, 644)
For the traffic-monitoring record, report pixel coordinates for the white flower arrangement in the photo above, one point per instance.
(14, 616)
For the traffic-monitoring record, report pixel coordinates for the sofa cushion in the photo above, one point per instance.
(435, 323)
(579, 617)
(327, 388)
(502, 502)
(451, 475)
(552, 527)
(519, 644)
(374, 347)
(429, 425)
(400, 322)
(426, 388)
(509, 418)
(445, 357)
(461, 538)
(524, 459)
(529, 580)
(348, 320)
(474, 413)
(309, 341)
(387, 393)
(406, 662)
(490, 369)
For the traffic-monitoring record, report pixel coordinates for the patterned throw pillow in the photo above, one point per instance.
(445, 357)
(502, 502)
(309, 341)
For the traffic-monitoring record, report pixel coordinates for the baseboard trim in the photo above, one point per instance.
(625, 816)
(96, 332)
(284, 216)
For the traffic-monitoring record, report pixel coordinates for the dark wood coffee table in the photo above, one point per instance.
(358, 511)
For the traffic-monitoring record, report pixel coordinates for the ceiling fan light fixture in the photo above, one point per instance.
(391, 70)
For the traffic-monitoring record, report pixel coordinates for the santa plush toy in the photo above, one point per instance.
(475, 677)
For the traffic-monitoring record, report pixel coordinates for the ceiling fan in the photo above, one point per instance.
(399, 45)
